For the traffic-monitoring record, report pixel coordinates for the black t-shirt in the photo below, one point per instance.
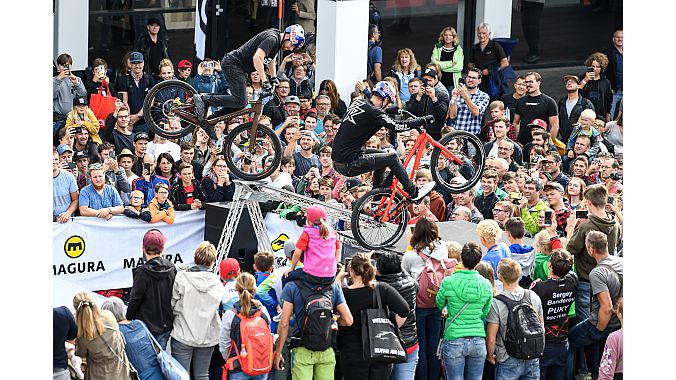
(156, 55)
(64, 329)
(556, 295)
(268, 40)
(136, 94)
(360, 299)
(447, 55)
(531, 108)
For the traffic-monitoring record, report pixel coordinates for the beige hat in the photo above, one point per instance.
(127, 152)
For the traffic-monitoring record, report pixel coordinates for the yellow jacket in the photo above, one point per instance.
(90, 122)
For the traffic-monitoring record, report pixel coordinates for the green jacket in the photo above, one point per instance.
(541, 267)
(465, 286)
(530, 216)
(454, 66)
(284, 209)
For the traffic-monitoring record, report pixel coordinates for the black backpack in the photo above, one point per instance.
(316, 333)
(525, 335)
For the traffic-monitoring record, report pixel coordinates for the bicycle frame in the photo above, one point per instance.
(256, 109)
(420, 142)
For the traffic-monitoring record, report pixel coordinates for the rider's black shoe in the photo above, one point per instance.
(387, 182)
(198, 102)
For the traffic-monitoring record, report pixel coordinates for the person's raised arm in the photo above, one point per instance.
(259, 64)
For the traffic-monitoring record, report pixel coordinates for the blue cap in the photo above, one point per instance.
(64, 148)
(136, 57)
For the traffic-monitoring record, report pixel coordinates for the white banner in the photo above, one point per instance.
(279, 231)
(98, 254)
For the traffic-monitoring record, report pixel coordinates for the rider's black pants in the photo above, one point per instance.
(236, 78)
(377, 160)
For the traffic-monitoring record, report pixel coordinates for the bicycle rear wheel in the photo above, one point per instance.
(371, 226)
(170, 100)
(257, 164)
(453, 176)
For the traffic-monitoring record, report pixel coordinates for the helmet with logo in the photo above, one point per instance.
(385, 90)
(296, 35)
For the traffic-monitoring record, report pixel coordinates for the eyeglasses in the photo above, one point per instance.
(496, 210)
(221, 166)
(529, 81)
(323, 104)
(546, 162)
(283, 87)
(472, 78)
(137, 198)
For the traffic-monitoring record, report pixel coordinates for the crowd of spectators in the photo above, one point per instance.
(553, 173)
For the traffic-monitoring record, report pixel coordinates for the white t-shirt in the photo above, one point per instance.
(169, 147)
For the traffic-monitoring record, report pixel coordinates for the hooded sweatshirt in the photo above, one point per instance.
(583, 262)
(465, 287)
(196, 295)
(151, 295)
(524, 254)
(413, 264)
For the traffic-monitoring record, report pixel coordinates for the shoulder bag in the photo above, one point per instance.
(380, 337)
(102, 105)
(452, 319)
(171, 368)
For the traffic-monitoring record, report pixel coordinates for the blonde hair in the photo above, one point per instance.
(413, 66)
(373, 140)
(456, 40)
(486, 271)
(87, 316)
(542, 242)
(423, 173)
(454, 250)
(166, 63)
(205, 254)
(490, 230)
(245, 284)
(510, 270)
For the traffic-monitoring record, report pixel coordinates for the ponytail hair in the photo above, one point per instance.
(361, 266)
(246, 287)
(87, 317)
(323, 229)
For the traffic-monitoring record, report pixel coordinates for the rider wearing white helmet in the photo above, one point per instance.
(361, 121)
(259, 51)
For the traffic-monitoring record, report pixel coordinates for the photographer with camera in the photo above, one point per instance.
(66, 86)
(210, 78)
(430, 101)
(610, 174)
(468, 103)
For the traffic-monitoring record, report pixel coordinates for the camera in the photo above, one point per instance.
(615, 176)
(71, 165)
(424, 82)
(590, 69)
(548, 218)
(146, 167)
(610, 200)
(461, 80)
(515, 196)
(210, 64)
(581, 214)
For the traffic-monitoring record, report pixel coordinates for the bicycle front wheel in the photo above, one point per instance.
(257, 163)
(170, 102)
(453, 176)
(376, 226)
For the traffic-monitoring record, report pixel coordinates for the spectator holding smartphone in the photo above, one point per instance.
(82, 116)
(99, 79)
(596, 87)
(66, 87)
(65, 192)
(148, 180)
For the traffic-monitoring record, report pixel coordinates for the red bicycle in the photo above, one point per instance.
(380, 217)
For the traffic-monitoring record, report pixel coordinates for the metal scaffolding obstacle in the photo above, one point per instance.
(248, 194)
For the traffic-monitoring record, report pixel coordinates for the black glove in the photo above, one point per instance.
(429, 119)
(274, 81)
(267, 87)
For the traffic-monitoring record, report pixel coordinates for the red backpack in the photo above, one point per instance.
(432, 274)
(253, 344)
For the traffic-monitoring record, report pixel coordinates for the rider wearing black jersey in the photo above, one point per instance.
(259, 51)
(361, 121)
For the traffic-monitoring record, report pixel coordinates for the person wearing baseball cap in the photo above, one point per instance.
(432, 100)
(554, 193)
(571, 106)
(535, 105)
(152, 287)
(184, 71)
(229, 269)
(153, 46)
(136, 84)
(81, 115)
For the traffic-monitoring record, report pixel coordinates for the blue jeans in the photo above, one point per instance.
(200, 357)
(464, 358)
(617, 98)
(406, 371)
(582, 335)
(162, 338)
(428, 322)
(553, 362)
(583, 301)
(518, 369)
(239, 375)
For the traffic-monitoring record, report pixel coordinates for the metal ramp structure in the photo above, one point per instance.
(249, 193)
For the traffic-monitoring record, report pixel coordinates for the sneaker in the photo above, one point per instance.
(199, 107)
(422, 191)
(532, 58)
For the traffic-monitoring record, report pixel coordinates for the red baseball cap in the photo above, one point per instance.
(229, 268)
(315, 212)
(154, 240)
(538, 123)
(184, 63)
